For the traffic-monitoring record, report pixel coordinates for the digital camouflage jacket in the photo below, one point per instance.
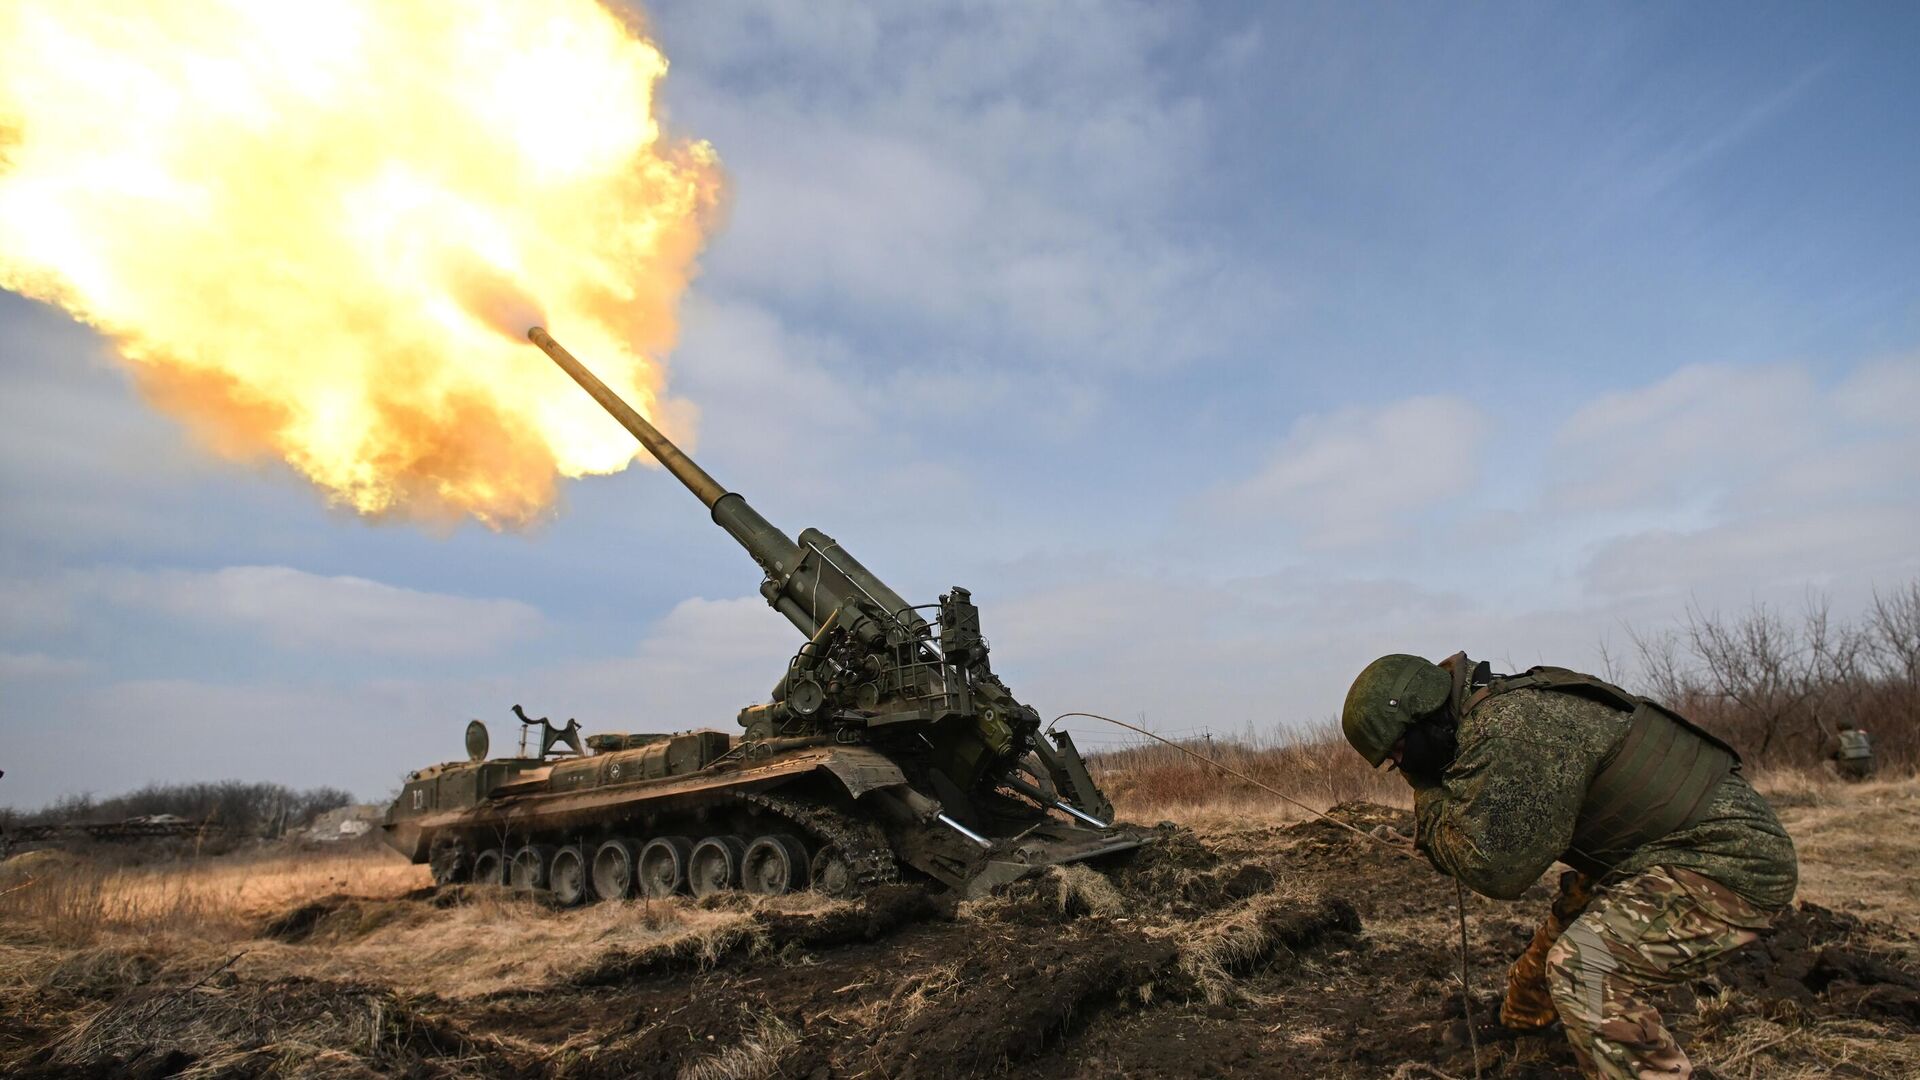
(1504, 810)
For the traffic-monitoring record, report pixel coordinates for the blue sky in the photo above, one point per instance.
(1217, 348)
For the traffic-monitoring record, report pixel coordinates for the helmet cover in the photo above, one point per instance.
(1385, 700)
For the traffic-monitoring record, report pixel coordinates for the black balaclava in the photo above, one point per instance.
(1427, 749)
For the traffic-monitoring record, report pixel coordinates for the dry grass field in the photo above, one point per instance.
(1316, 768)
(1246, 942)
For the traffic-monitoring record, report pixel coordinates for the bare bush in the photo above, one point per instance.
(1890, 641)
(1779, 688)
(1775, 686)
(258, 809)
(1760, 665)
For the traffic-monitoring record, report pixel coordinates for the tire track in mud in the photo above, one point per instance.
(908, 991)
(953, 1000)
(770, 933)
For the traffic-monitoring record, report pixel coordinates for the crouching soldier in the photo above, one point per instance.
(1676, 859)
(1851, 752)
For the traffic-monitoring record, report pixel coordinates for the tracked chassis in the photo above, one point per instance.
(838, 819)
(888, 747)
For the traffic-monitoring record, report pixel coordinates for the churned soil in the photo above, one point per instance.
(1298, 951)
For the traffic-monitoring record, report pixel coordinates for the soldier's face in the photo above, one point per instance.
(1398, 752)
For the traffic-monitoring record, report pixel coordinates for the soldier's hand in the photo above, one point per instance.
(1387, 834)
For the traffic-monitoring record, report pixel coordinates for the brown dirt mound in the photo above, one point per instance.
(1386, 1000)
(878, 914)
(769, 934)
(1820, 961)
(1009, 1001)
(340, 917)
(287, 1026)
(1193, 957)
(297, 923)
(965, 998)
(1302, 950)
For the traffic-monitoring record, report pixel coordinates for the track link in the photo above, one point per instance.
(861, 842)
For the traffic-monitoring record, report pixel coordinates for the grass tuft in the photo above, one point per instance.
(754, 1055)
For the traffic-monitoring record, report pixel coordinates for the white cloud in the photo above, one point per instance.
(1723, 434)
(1190, 653)
(1762, 477)
(18, 667)
(1692, 433)
(697, 626)
(1018, 161)
(1354, 475)
(778, 407)
(695, 668)
(796, 423)
(142, 731)
(35, 607)
(302, 610)
(1860, 546)
(1884, 393)
(290, 608)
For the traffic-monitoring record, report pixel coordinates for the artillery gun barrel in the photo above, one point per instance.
(898, 676)
(776, 552)
(680, 465)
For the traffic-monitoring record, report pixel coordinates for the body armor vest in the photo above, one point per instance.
(1855, 746)
(1657, 781)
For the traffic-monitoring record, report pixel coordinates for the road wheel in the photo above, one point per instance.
(663, 866)
(567, 876)
(613, 864)
(528, 870)
(449, 860)
(773, 865)
(490, 867)
(715, 865)
(831, 873)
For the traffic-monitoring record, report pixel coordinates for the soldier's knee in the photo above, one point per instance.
(1562, 975)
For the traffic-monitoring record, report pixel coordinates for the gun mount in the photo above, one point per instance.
(872, 663)
(887, 740)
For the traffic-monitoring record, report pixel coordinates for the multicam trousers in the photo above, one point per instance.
(1654, 929)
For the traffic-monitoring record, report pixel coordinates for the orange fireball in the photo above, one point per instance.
(306, 227)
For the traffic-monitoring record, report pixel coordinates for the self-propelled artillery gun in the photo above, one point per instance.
(888, 749)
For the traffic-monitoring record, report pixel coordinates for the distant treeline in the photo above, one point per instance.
(239, 808)
(1778, 688)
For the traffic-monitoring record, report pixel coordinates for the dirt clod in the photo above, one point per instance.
(250, 1029)
(878, 914)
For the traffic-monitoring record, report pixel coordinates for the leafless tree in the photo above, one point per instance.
(1610, 668)
(1758, 664)
(1892, 641)
(1841, 684)
(1663, 674)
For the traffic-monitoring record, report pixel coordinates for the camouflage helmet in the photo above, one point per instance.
(1389, 695)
